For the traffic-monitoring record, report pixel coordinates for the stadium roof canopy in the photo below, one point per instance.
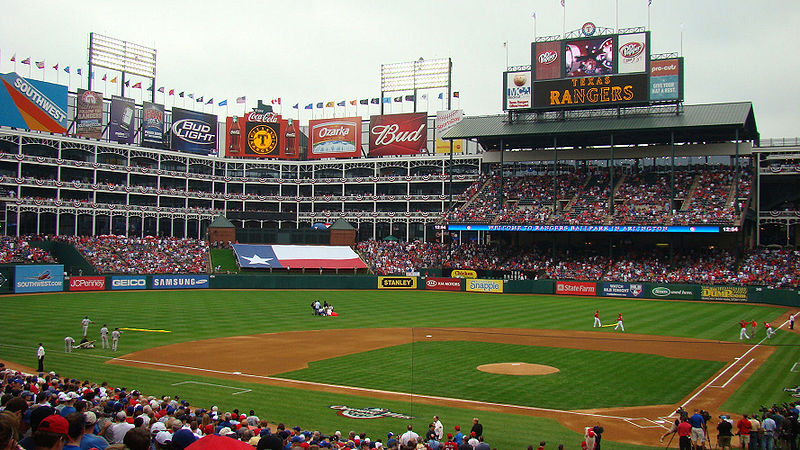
(708, 123)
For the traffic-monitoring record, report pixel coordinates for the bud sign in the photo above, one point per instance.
(398, 134)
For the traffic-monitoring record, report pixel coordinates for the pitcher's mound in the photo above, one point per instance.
(518, 369)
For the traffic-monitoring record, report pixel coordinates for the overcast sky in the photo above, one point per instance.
(324, 50)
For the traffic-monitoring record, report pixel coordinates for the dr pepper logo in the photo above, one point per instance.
(631, 50)
(548, 57)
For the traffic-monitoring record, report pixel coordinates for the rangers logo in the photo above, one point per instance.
(588, 29)
(262, 139)
(368, 413)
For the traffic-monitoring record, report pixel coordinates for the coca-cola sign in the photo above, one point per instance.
(397, 134)
(262, 117)
(335, 138)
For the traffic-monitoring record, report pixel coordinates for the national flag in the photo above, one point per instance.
(150, 88)
(127, 83)
(375, 101)
(296, 106)
(210, 101)
(105, 77)
(649, 2)
(455, 94)
(223, 103)
(114, 80)
(199, 99)
(309, 106)
(409, 98)
(13, 57)
(353, 102)
(398, 99)
(441, 95)
(562, 3)
(79, 70)
(26, 61)
(91, 74)
(161, 89)
(66, 69)
(341, 103)
(191, 96)
(56, 66)
(241, 99)
(320, 105)
(534, 16)
(329, 105)
(172, 92)
(386, 100)
(364, 101)
(181, 94)
(423, 97)
(137, 85)
(40, 64)
(297, 256)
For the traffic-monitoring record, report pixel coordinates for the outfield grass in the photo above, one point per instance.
(225, 259)
(200, 314)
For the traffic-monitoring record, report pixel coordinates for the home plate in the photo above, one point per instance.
(237, 373)
(516, 364)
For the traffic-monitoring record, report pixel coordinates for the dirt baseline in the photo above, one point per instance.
(636, 425)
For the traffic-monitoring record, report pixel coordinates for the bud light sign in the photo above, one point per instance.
(193, 131)
(397, 134)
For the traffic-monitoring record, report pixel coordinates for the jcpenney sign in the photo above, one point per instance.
(87, 283)
(397, 134)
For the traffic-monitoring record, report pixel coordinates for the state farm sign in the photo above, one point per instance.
(87, 283)
(397, 134)
(443, 284)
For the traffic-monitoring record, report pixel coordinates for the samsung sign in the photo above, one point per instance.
(128, 282)
(180, 281)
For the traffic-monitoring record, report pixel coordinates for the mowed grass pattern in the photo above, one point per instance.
(449, 369)
(201, 314)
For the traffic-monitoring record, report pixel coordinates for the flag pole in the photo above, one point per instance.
(649, 3)
(563, 19)
(534, 27)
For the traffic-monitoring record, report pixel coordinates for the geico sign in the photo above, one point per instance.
(129, 283)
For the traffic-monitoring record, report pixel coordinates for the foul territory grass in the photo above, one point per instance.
(587, 379)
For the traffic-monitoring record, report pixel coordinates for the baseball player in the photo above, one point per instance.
(743, 332)
(104, 336)
(597, 319)
(115, 338)
(755, 327)
(619, 323)
(770, 331)
(85, 324)
(68, 341)
(791, 321)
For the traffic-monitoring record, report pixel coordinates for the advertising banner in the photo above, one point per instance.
(89, 114)
(479, 285)
(446, 120)
(32, 105)
(602, 91)
(576, 288)
(397, 134)
(547, 60)
(622, 290)
(120, 128)
(39, 278)
(334, 138)
(463, 273)
(589, 57)
(152, 125)
(180, 281)
(397, 282)
(87, 283)
(128, 282)
(665, 77)
(262, 135)
(6, 275)
(517, 90)
(632, 53)
(724, 293)
(193, 132)
(672, 291)
(443, 284)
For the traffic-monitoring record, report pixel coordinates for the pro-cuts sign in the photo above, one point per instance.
(193, 131)
(334, 138)
(397, 134)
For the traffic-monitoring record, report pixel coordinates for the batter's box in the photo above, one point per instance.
(643, 422)
(240, 390)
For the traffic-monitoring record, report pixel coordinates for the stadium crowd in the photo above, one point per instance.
(49, 411)
(18, 250)
(770, 267)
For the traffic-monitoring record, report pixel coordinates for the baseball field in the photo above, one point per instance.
(531, 367)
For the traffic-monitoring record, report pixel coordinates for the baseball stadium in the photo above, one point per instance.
(581, 268)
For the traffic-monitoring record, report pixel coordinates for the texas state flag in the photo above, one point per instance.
(252, 256)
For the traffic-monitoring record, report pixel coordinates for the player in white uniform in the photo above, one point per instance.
(68, 341)
(597, 322)
(104, 337)
(115, 338)
(85, 324)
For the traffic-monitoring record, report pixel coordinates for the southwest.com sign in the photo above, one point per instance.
(478, 285)
(39, 278)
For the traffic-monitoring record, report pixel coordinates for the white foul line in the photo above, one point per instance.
(241, 390)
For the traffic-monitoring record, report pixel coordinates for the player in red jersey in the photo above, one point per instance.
(597, 319)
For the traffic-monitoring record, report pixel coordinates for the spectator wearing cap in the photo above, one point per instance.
(117, 431)
(66, 400)
(89, 439)
(391, 441)
(473, 440)
(724, 432)
(51, 434)
(162, 440)
(459, 436)
(450, 444)
(182, 439)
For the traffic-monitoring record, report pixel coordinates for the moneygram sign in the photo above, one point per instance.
(443, 284)
(479, 285)
(397, 134)
(334, 138)
(87, 283)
